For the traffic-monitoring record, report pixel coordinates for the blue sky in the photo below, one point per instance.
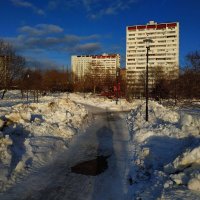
(48, 32)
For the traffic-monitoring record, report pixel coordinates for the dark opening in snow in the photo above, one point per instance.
(91, 167)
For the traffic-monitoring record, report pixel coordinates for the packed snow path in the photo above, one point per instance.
(108, 136)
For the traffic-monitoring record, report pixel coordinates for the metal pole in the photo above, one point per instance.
(117, 74)
(27, 95)
(147, 87)
(5, 72)
(27, 85)
(84, 86)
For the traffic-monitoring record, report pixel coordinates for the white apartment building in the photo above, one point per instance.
(164, 52)
(80, 64)
(104, 63)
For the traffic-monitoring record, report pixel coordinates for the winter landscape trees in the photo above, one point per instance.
(184, 85)
(190, 78)
(11, 67)
(14, 74)
(159, 147)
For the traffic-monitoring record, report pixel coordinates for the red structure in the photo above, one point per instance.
(157, 26)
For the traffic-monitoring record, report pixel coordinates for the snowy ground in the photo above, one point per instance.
(48, 131)
(165, 153)
(33, 134)
(159, 159)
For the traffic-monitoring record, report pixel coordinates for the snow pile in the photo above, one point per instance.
(5, 156)
(101, 102)
(161, 120)
(165, 152)
(185, 169)
(33, 134)
(190, 124)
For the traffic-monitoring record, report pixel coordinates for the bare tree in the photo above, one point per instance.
(160, 80)
(93, 76)
(11, 67)
(193, 61)
(192, 73)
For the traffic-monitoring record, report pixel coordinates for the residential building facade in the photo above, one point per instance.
(163, 53)
(105, 63)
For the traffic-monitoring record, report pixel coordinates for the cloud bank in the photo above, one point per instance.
(27, 4)
(94, 8)
(51, 39)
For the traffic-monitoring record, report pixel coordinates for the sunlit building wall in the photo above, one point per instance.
(164, 52)
(105, 63)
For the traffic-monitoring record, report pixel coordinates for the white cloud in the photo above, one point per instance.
(49, 37)
(27, 4)
(94, 8)
(41, 29)
(109, 7)
(52, 4)
(87, 48)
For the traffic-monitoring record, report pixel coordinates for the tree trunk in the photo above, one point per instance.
(22, 93)
(34, 95)
(3, 93)
(37, 96)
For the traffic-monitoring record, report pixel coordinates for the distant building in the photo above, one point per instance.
(164, 52)
(105, 63)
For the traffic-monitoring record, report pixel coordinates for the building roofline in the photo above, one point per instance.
(155, 23)
(97, 55)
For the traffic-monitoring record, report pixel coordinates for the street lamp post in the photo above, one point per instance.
(117, 83)
(147, 41)
(84, 87)
(27, 85)
(5, 72)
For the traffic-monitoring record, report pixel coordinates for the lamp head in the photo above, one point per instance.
(147, 41)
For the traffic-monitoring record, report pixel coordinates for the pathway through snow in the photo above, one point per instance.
(108, 136)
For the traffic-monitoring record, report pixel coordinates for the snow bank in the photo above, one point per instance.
(191, 156)
(190, 124)
(165, 151)
(35, 133)
(5, 156)
(185, 169)
(101, 102)
(2, 123)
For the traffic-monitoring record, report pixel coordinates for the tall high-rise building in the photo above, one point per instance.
(105, 63)
(163, 53)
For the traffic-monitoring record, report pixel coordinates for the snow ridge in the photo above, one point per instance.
(33, 134)
(165, 153)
